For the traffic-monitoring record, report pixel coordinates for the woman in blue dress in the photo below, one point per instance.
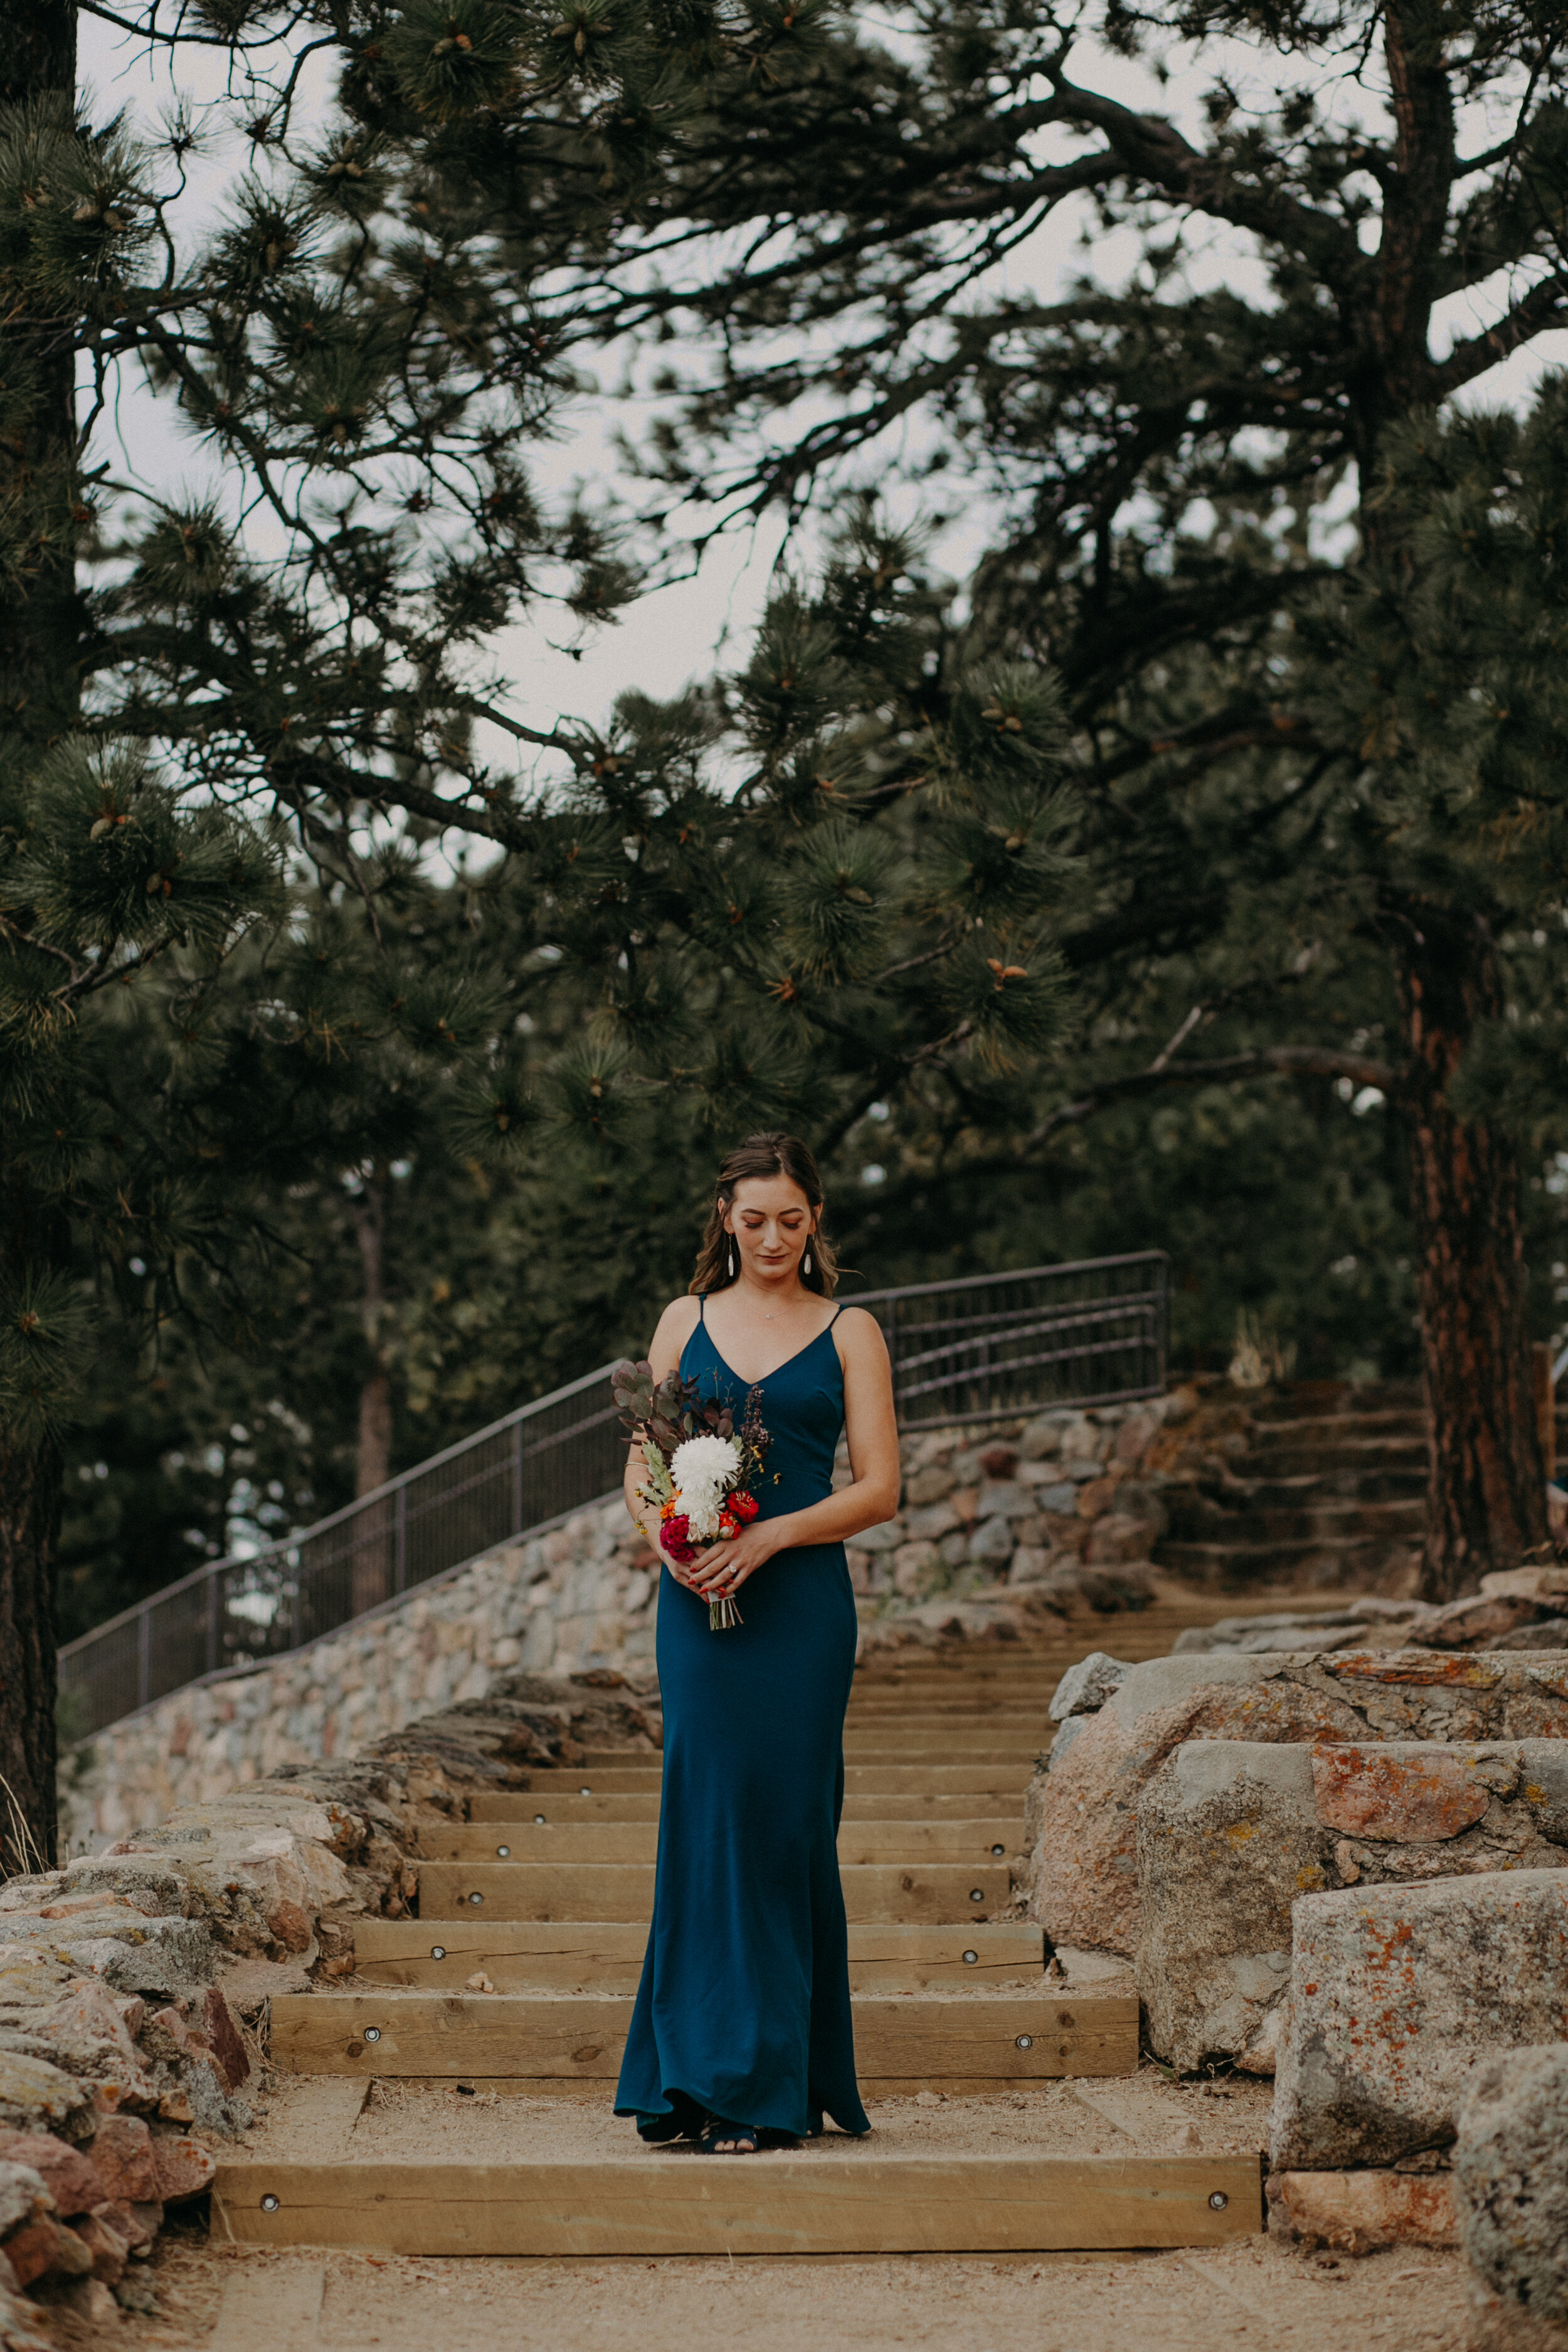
(741, 2035)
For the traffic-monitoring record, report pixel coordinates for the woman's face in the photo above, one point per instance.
(772, 1220)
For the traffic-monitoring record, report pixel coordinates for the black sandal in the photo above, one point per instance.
(741, 2139)
(684, 2121)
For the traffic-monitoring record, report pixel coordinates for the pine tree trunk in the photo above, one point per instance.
(40, 631)
(30, 1486)
(1486, 1493)
(41, 628)
(374, 1460)
(375, 1565)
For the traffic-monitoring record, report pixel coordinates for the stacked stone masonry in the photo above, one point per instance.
(134, 1983)
(1045, 1514)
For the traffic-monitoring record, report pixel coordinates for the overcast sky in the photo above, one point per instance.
(681, 632)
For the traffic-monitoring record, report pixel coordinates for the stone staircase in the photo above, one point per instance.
(1314, 1486)
(453, 2096)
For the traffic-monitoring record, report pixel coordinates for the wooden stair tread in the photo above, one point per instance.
(817, 2201)
(975, 1840)
(871, 1747)
(1007, 2039)
(608, 1956)
(964, 1716)
(1008, 1779)
(933, 1891)
(642, 1805)
(963, 1747)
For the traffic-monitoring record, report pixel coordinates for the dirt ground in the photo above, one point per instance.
(1251, 2297)
(320, 2119)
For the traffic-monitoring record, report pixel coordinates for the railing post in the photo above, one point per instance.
(212, 1620)
(517, 1477)
(400, 1542)
(144, 1657)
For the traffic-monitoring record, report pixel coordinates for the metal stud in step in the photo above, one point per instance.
(504, 1852)
(438, 1951)
(269, 2203)
(476, 1898)
(998, 1849)
(970, 1959)
(1219, 2200)
(539, 1817)
(373, 2033)
(584, 1792)
(1024, 2041)
(977, 1895)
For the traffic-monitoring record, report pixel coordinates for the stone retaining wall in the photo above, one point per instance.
(135, 1983)
(1052, 1510)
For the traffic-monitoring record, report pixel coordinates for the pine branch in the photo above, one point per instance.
(830, 1137)
(1544, 308)
(1228, 730)
(1266, 1061)
(1152, 150)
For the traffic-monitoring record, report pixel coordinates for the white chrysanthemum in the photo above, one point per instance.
(704, 1469)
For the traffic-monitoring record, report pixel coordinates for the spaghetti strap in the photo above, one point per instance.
(837, 1313)
(702, 1309)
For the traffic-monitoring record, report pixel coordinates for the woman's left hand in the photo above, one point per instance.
(724, 1567)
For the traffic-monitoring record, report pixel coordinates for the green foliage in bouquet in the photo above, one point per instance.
(668, 1411)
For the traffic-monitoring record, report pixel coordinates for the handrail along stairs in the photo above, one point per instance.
(1092, 1332)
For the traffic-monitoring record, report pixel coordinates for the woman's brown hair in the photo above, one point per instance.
(770, 1154)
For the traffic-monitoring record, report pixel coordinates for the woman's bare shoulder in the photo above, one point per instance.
(856, 1328)
(675, 1326)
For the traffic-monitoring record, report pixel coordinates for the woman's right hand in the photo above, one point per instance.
(682, 1574)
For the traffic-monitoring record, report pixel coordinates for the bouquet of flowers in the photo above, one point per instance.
(700, 1470)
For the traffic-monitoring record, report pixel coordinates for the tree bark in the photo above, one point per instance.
(41, 628)
(374, 1464)
(1485, 1491)
(30, 1486)
(374, 1566)
(40, 632)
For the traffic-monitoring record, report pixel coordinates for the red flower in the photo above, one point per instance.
(676, 1536)
(743, 1508)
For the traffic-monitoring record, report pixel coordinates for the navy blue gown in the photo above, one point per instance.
(743, 2007)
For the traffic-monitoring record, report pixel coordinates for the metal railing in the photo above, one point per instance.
(967, 1351)
(1094, 1332)
(550, 1457)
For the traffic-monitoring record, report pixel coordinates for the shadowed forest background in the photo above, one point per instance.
(1183, 868)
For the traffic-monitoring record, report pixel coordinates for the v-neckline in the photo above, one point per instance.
(762, 1380)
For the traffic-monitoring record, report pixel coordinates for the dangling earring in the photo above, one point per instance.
(730, 1262)
(805, 1261)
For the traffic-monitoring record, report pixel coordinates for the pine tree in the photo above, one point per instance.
(830, 881)
(361, 370)
(335, 1109)
(121, 915)
(1162, 448)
